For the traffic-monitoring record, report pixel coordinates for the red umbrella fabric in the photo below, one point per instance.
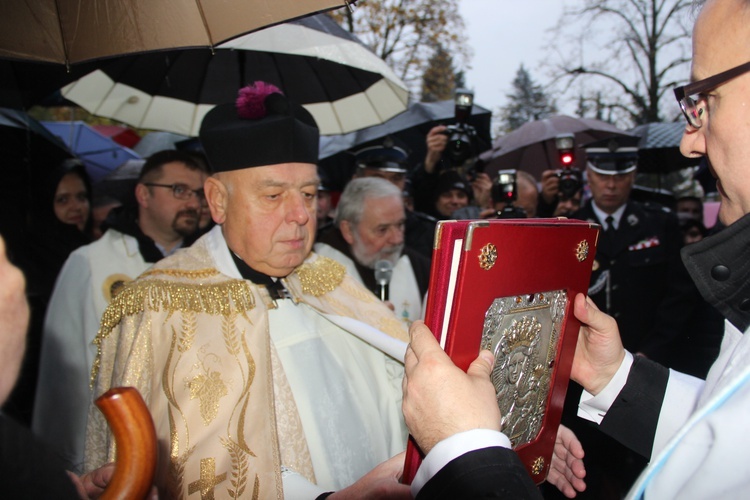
(532, 148)
(124, 136)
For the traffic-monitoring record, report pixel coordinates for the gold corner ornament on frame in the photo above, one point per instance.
(582, 250)
(487, 256)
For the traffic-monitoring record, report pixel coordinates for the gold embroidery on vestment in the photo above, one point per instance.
(209, 388)
(155, 295)
(320, 277)
(208, 481)
(182, 273)
(240, 462)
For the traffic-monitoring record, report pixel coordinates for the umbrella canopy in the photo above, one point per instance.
(120, 182)
(125, 136)
(314, 61)
(70, 31)
(158, 141)
(29, 151)
(659, 147)
(410, 128)
(532, 148)
(99, 153)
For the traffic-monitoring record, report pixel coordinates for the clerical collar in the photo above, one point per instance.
(274, 285)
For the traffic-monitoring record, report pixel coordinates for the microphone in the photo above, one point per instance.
(383, 273)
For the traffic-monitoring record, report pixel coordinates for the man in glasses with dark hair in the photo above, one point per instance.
(695, 431)
(169, 197)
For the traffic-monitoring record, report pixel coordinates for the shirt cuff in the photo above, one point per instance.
(453, 447)
(594, 408)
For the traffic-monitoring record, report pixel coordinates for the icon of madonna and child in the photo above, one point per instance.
(523, 333)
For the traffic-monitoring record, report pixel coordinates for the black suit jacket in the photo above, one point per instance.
(498, 472)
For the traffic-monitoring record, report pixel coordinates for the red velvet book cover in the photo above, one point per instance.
(508, 285)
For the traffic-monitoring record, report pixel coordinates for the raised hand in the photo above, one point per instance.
(599, 351)
(567, 471)
(439, 398)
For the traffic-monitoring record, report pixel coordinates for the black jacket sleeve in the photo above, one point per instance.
(27, 468)
(494, 472)
(633, 416)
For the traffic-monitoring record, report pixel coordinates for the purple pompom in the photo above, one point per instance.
(251, 99)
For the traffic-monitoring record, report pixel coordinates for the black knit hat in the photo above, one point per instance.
(262, 128)
(451, 179)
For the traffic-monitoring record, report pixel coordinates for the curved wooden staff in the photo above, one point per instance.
(135, 437)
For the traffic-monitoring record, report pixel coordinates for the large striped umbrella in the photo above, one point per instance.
(314, 61)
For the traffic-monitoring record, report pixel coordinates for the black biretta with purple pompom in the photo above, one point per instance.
(262, 128)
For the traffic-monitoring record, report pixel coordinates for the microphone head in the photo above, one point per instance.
(383, 272)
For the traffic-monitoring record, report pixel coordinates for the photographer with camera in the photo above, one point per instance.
(557, 201)
(451, 148)
(514, 195)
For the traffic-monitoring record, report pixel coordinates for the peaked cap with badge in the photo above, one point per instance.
(616, 155)
(389, 156)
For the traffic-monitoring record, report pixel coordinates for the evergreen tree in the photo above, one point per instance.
(439, 79)
(526, 102)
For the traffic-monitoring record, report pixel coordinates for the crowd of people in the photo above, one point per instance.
(246, 302)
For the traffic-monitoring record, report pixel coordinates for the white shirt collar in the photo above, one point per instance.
(217, 247)
(602, 215)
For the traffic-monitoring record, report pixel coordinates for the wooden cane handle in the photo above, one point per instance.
(135, 437)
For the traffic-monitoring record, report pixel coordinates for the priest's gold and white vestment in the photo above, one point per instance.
(233, 404)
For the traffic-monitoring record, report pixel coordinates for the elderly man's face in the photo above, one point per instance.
(380, 232)
(267, 214)
(721, 40)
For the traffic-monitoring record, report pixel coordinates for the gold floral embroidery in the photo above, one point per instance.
(320, 277)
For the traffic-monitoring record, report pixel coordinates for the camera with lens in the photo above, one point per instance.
(504, 190)
(570, 177)
(571, 182)
(461, 145)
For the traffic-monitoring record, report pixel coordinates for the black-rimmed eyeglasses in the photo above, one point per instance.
(180, 191)
(689, 95)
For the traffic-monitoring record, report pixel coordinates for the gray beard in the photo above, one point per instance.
(391, 254)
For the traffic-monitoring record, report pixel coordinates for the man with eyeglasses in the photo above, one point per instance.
(169, 197)
(695, 431)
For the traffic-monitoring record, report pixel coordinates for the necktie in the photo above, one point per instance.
(609, 233)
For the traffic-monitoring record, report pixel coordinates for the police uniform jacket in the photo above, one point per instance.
(639, 279)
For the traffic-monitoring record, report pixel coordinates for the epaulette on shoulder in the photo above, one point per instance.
(321, 276)
(158, 294)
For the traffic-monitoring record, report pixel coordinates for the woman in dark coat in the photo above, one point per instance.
(59, 222)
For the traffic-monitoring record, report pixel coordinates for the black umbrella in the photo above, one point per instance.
(659, 147)
(410, 128)
(314, 61)
(531, 147)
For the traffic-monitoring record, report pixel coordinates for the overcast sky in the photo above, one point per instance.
(503, 34)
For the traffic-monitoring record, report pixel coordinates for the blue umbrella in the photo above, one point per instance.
(99, 153)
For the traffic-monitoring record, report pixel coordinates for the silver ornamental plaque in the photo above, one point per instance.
(523, 331)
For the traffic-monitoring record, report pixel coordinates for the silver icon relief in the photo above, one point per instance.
(523, 332)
